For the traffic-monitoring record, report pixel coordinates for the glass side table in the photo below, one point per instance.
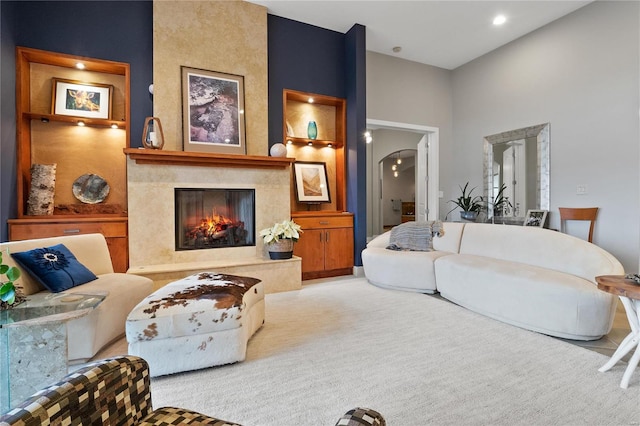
(33, 342)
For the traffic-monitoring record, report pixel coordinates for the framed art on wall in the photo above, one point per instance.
(81, 99)
(311, 182)
(213, 111)
(536, 218)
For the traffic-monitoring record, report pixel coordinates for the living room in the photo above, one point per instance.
(579, 73)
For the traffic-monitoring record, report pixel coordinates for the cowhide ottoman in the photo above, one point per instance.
(200, 321)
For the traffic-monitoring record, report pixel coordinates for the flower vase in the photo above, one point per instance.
(312, 130)
(281, 249)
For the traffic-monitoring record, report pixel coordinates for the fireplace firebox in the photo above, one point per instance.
(214, 218)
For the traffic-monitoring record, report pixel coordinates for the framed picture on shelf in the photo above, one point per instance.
(536, 218)
(81, 99)
(213, 112)
(311, 182)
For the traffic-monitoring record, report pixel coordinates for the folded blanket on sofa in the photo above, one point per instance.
(415, 236)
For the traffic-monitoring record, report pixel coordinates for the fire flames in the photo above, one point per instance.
(216, 228)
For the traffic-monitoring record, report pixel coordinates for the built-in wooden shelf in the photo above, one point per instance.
(185, 158)
(94, 122)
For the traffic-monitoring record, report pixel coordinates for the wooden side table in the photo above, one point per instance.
(629, 294)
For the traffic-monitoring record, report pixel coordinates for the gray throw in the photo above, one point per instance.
(415, 236)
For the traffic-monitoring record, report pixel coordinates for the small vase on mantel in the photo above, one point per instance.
(312, 130)
(281, 249)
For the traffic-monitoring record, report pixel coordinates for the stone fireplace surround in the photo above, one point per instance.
(152, 177)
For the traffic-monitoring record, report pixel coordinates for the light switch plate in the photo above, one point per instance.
(581, 189)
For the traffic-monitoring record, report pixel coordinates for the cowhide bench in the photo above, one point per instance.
(200, 321)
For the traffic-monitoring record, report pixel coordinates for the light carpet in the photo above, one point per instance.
(417, 359)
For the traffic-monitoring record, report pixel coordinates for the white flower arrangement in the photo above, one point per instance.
(287, 229)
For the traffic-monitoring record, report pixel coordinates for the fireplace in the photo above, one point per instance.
(214, 218)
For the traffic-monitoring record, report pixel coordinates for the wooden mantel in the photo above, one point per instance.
(203, 159)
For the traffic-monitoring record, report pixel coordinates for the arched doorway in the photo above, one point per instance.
(397, 173)
(426, 140)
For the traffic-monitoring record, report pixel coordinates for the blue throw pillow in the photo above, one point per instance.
(56, 268)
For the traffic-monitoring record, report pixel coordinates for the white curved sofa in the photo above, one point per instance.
(534, 278)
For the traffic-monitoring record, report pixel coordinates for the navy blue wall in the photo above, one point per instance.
(7, 117)
(356, 82)
(305, 58)
(311, 59)
(112, 30)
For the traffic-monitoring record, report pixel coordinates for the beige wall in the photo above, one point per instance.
(409, 92)
(222, 36)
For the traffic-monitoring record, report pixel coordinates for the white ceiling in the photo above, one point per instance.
(445, 34)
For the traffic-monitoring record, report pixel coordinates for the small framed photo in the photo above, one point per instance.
(311, 182)
(536, 218)
(81, 99)
(213, 112)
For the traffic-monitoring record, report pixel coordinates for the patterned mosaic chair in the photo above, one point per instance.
(116, 391)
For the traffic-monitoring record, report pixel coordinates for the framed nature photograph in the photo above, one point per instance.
(311, 182)
(81, 99)
(213, 111)
(536, 218)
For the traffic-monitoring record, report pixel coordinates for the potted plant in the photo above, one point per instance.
(10, 294)
(471, 205)
(280, 237)
(501, 204)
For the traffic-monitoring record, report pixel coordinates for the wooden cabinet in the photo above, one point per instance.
(114, 230)
(83, 140)
(408, 211)
(326, 245)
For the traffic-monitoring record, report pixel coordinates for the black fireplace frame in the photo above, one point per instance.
(180, 227)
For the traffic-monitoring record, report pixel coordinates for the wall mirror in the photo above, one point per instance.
(517, 161)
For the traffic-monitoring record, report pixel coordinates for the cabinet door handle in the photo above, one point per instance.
(320, 235)
(324, 222)
(326, 237)
(71, 231)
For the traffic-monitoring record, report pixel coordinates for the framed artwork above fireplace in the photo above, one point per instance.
(213, 112)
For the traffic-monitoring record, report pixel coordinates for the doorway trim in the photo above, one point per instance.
(431, 178)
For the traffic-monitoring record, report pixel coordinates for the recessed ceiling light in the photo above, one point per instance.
(499, 20)
(397, 49)
(80, 66)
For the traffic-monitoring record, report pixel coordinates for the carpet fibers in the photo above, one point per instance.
(416, 359)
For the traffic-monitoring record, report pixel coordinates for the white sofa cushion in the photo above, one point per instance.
(402, 270)
(408, 270)
(106, 323)
(539, 247)
(532, 297)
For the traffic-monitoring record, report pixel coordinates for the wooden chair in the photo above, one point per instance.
(586, 213)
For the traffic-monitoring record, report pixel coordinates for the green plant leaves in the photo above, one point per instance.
(467, 202)
(13, 273)
(7, 288)
(8, 292)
